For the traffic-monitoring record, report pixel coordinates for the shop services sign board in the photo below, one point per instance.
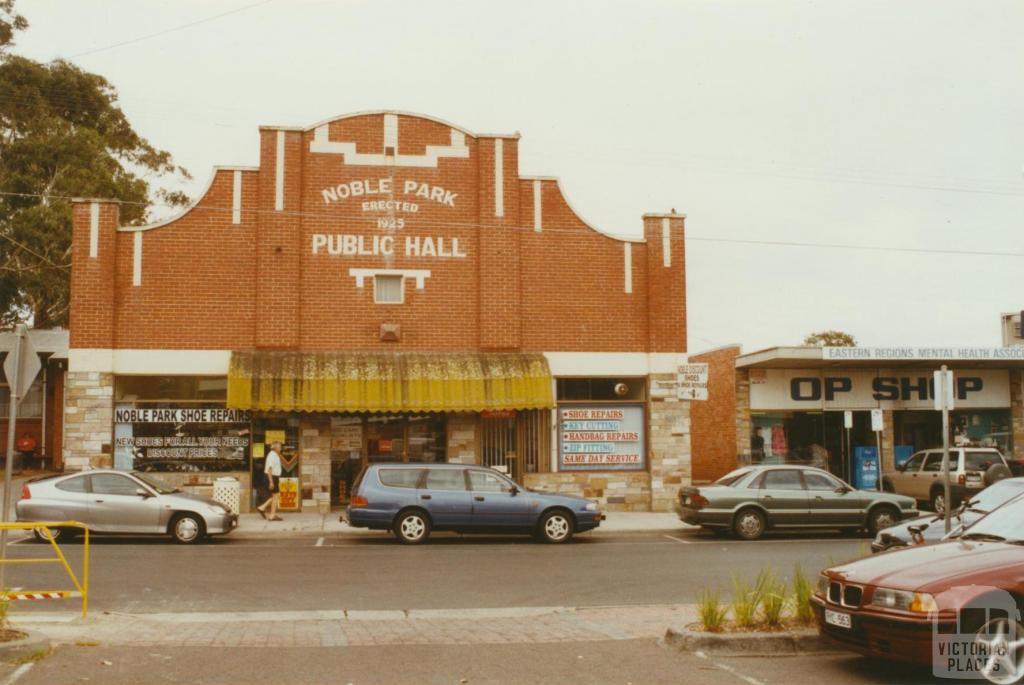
(601, 437)
(693, 382)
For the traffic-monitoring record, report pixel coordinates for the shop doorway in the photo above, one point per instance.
(267, 429)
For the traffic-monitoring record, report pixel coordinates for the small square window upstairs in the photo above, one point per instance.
(388, 289)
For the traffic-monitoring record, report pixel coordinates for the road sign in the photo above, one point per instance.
(20, 379)
(876, 420)
(945, 397)
(692, 382)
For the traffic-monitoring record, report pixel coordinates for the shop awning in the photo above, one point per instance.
(387, 382)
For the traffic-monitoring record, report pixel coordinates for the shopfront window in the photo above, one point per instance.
(178, 424)
(918, 430)
(31, 406)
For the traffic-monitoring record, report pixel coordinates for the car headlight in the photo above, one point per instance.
(591, 506)
(904, 600)
(217, 509)
(822, 585)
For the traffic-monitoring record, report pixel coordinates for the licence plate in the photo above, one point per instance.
(837, 618)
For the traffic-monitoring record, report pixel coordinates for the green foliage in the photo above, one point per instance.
(774, 600)
(746, 599)
(10, 21)
(830, 339)
(711, 611)
(802, 591)
(62, 135)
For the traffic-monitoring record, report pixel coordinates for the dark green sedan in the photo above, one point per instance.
(753, 499)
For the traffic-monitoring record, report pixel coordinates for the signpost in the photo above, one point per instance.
(693, 382)
(21, 367)
(877, 425)
(944, 401)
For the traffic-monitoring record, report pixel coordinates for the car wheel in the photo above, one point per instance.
(59, 534)
(188, 529)
(1002, 643)
(556, 527)
(882, 518)
(749, 524)
(412, 527)
(938, 502)
(996, 473)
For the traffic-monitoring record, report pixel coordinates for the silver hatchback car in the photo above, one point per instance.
(110, 501)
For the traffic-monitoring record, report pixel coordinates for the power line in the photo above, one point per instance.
(585, 230)
(688, 163)
(170, 30)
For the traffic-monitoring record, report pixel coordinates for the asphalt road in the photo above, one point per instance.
(450, 572)
(632, 662)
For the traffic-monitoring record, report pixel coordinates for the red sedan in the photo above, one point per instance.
(955, 606)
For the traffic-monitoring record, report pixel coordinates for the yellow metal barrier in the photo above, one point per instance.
(81, 588)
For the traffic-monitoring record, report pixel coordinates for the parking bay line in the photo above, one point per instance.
(679, 540)
(319, 542)
(729, 669)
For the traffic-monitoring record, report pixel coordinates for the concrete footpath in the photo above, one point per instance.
(253, 525)
(336, 628)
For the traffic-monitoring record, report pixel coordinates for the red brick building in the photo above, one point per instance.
(383, 286)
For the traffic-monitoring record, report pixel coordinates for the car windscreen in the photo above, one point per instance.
(160, 486)
(980, 461)
(732, 477)
(995, 495)
(1005, 523)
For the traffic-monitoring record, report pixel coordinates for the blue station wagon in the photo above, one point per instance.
(412, 500)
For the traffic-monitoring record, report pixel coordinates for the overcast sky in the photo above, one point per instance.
(882, 124)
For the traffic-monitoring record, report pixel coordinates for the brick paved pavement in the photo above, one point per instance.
(340, 628)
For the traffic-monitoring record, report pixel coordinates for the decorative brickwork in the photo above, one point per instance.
(89, 420)
(668, 448)
(744, 424)
(628, 491)
(463, 438)
(1017, 411)
(315, 437)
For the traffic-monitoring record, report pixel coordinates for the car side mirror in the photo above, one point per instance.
(901, 466)
(842, 490)
(514, 491)
(143, 493)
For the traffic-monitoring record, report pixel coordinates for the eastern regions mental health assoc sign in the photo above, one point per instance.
(601, 438)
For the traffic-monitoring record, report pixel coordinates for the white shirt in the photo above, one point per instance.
(273, 464)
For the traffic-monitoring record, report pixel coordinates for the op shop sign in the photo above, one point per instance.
(606, 438)
(840, 389)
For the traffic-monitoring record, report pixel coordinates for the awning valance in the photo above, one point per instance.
(388, 382)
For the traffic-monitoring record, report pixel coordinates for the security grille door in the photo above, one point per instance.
(520, 443)
(498, 443)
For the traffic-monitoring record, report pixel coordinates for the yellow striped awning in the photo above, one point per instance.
(388, 382)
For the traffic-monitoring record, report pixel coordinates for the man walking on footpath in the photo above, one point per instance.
(272, 469)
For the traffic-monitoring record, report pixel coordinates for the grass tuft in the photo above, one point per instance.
(711, 611)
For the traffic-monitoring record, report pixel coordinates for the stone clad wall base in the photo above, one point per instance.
(315, 451)
(624, 491)
(462, 438)
(668, 448)
(1017, 412)
(88, 420)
